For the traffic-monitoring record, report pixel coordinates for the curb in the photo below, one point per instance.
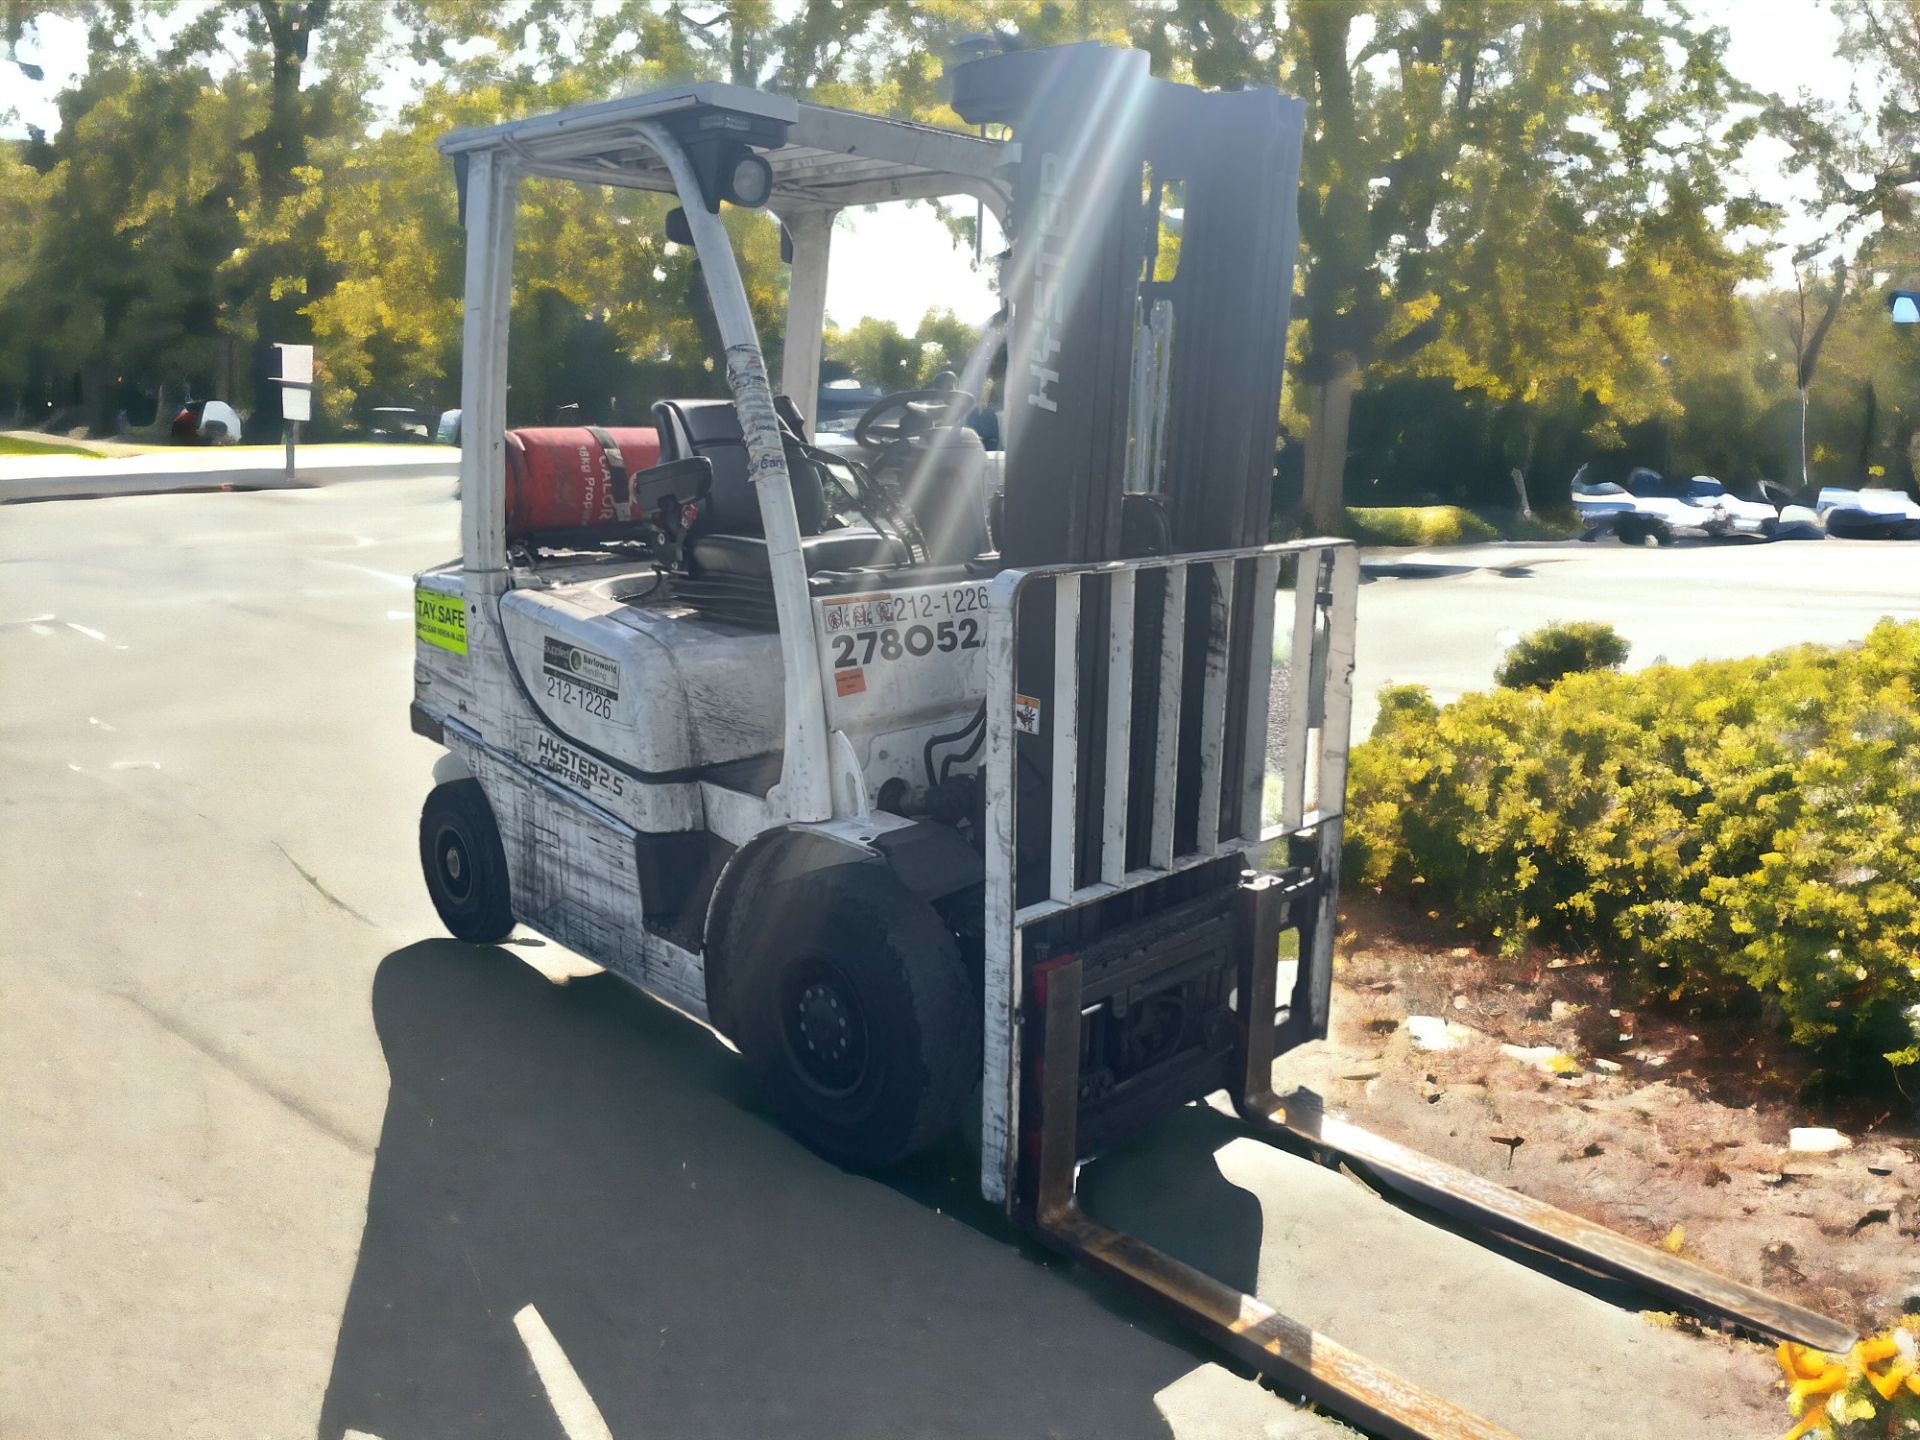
(30, 489)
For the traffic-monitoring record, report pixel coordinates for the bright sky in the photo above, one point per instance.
(896, 261)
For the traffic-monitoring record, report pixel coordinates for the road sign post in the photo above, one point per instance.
(296, 393)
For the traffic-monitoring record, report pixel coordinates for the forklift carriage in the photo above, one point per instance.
(946, 782)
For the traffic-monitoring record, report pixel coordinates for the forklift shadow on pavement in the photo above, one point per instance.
(583, 1151)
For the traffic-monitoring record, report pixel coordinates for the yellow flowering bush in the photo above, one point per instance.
(1724, 833)
(1871, 1391)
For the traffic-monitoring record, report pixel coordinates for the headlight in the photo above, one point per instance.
(749, 180)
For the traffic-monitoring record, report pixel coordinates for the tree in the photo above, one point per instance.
(1432, 128)
(883, 358)
(1867, 175)
(267, 274)
(115, 278)
(1808, 332)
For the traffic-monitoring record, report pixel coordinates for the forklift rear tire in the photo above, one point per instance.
(465, 863)
(852, 1008)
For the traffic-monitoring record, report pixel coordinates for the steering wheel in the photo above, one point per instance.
(920, 411)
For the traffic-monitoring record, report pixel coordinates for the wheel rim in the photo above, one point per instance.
(824, 1028)
(456, 864)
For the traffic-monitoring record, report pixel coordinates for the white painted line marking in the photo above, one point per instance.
(404, 582)
(572, 1405)
(30, 620)
(39, 629)
(134, 765)
(86, 630)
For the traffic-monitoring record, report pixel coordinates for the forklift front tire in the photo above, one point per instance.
(465, 863)
(853, 1011)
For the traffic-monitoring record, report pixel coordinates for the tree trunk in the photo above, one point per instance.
(280, 147)
(1330, 410)
(163, 412)
(1806, 483)
(1869, 423)
(1520, 491)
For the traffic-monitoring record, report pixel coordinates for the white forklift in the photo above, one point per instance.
(942, 800)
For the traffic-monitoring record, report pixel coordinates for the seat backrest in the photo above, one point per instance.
(712, 428)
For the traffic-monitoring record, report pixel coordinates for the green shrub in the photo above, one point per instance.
(1553, 652)
(1403, 703)
(1417, 525)
(1727, 829)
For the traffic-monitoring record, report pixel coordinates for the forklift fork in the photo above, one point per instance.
(1286, 1350)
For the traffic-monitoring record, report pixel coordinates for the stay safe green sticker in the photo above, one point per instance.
(440, 620)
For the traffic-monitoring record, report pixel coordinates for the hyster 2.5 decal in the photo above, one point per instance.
(579, 677)
(580, 771)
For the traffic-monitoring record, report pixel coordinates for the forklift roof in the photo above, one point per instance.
(830, 158)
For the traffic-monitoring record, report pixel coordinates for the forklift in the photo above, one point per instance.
(955, 789)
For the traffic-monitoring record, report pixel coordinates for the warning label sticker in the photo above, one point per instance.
(440, 620)
(1026, 714)
(850, 682)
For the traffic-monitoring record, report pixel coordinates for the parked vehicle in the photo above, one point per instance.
(205, 422)
(1652, 507)
(400, 422)
(1797, 521)
(1870, 514)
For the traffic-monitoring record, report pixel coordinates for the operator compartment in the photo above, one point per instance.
(638, 555)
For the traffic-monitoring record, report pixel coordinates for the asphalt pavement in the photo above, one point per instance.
(1443, 618)
(281, 1159)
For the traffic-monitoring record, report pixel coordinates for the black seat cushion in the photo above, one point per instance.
(745, 556)
(712, 428)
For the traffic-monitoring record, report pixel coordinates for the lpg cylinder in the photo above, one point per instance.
(560, 477)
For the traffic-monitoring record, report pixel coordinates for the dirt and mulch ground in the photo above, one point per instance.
(1675, 1132)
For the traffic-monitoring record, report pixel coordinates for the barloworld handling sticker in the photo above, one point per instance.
(566, 661)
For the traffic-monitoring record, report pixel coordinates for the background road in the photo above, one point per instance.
(1443, 618)
(277, 1155)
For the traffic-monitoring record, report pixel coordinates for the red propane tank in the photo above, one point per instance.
(559, 477)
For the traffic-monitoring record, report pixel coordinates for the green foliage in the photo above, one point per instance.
(880, 356)
(1724, 833)
(19, 445)
(1542, 658)
(1417, 525)
(1403, 705)
(1510, 215)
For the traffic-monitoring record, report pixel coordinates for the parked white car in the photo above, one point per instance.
(1651, 507)
(1871, 514)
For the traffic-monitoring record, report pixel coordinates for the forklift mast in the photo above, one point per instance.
(1105, 149)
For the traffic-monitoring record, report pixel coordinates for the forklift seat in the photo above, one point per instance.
(712, 428)
(726, 540)
(745, 556)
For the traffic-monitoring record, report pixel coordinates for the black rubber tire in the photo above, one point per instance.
(889, 963)
(465, 864)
